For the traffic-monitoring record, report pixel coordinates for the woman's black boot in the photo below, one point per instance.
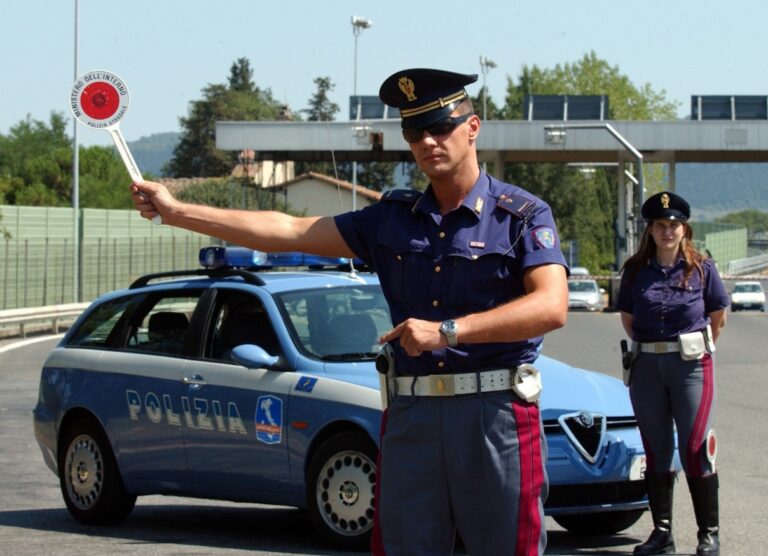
(660, 488)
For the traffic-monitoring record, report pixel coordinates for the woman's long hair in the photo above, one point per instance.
(647, 251)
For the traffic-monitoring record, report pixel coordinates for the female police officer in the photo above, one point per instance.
(672, 305)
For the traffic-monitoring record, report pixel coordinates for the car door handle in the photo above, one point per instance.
(195, 380)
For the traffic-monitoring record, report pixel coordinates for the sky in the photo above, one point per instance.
(167, 51)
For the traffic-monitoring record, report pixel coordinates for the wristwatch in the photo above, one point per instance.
(450, 329)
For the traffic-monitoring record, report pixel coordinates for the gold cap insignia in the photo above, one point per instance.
(407, 86)
(665, 201)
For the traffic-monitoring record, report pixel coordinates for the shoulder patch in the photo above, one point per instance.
(402, 195)
(516, 204)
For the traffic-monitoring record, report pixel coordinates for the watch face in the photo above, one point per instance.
(449, 328)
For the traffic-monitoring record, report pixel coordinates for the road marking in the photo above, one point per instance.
(29, 341)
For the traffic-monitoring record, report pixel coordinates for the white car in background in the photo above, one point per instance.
(584, 295)
(747, 295)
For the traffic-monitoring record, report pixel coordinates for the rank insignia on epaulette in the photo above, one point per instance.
(519, 206)
(404, 195)
(478, 205)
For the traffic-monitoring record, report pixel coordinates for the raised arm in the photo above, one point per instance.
(262, 230)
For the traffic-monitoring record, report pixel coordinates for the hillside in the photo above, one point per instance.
(717, 189)
(152, 152)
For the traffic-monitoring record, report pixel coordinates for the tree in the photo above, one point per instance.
(584, 203)
(36, 158)
(239, 100)
(36, 168)
(321, 108)
(589, 76)
(374, 175)
(756, 221)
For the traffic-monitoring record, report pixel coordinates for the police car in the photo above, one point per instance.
(237, 382)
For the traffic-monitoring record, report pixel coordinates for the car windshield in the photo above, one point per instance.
(337, 324)
(582, 286)
(747, 288)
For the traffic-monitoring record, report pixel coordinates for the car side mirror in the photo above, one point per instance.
(253, 357)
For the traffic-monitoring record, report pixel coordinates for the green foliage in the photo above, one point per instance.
(239, 100)
(584, 204)
(589, 76)
(36, 169)
(492, 112)
(756, 221)
(321, 109)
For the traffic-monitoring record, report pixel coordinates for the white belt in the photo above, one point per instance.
(455, 384)
(659, 347)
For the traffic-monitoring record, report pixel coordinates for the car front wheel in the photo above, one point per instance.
(598, 524)
(341, 479)
(90, 481)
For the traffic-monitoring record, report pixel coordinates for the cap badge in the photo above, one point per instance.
(665, 201)
(406, 85)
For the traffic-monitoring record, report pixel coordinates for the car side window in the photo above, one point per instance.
(163, 326)
(241, 319)
(96, 329)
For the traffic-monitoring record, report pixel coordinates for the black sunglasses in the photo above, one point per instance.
(440, 127)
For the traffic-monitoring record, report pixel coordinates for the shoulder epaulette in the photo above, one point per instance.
(402, 195)
(516, 204)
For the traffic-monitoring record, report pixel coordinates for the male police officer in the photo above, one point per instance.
(474, 276)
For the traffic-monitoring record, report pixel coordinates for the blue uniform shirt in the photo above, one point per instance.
(662, 308)
(437, 267)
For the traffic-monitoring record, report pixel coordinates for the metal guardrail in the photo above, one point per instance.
(19, 322)
(748, 265)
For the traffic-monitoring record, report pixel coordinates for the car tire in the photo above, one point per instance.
(341, 479)
(91, 484)
(598, 524)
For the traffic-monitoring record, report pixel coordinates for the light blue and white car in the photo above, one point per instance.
(260, 386)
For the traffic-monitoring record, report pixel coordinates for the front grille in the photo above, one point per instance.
(586, 430)
(563, 496)
(551, 426)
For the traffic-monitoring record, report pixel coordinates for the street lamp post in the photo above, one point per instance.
(76, 290)
(358, 24)
(485, 65)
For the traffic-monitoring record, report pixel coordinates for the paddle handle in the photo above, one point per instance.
(128, 161)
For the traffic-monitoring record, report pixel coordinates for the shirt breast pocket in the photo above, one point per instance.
(411, 261)
(482, 281)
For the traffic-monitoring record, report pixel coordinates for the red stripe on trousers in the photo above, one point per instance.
(702, 416)
(377, 543)
(531, 479)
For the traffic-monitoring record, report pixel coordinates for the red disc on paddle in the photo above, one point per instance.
(100, 100)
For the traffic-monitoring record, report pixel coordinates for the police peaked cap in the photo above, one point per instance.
(666, 205)
(424, 96)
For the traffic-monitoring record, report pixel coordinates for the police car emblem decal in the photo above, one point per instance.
(306, 384)
(545, 237)
(269, 419)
